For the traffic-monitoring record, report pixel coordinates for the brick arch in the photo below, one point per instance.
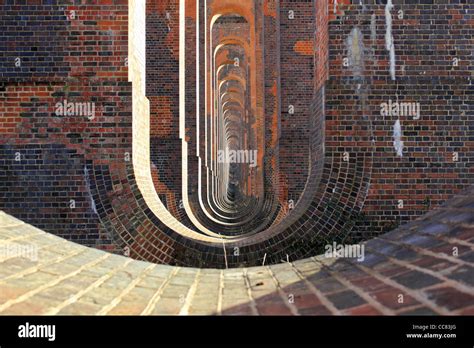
(115, 209)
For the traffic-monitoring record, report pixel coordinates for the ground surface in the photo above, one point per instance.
(426, 267)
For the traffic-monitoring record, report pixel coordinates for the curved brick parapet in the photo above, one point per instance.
(425, 267)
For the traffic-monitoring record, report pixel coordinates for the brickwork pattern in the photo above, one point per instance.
(410, 271)
(346, 198)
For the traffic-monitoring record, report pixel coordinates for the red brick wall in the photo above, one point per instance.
(83, 60)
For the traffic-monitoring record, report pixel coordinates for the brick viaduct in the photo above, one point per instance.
(115, 116)
(119, 120)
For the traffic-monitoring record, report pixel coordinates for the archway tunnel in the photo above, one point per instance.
(225, 134)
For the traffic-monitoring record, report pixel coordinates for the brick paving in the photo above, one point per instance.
(425, 267)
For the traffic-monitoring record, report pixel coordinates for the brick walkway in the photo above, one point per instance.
(425, 267)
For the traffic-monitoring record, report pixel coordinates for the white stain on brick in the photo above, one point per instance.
(89, 192)
(355, 49)
(373, 27)
(389, 44)
(397, 138)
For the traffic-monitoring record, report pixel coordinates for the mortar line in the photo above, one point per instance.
(43, 247)
(221, 293)
(324, 300)
(253, 305)
(19, 238)
(36, 268)
(191, 292)
(154, 300)
(429, 252)
(82, 292)
(459, 286)
(283, 295)
(409, 292)
(358, 290)
(126, 291)
(9, 218)
(450, 240)
(31, 293)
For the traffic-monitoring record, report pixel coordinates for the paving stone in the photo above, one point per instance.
(390, 298)
(59, 293)
(460, 217)
(416, 280)
(468, 257)
(369, 284)
(32, 306)
(463, 274)
(436, 228)
(80, 308)
(434, 264)
(450, 298)
(315, 310)
(346, 299)
(329, 285)
(274, 309)
(128, 308)
(362, 310)
(168, 307)
(419, 311)
(242, 309)
(306, 301)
